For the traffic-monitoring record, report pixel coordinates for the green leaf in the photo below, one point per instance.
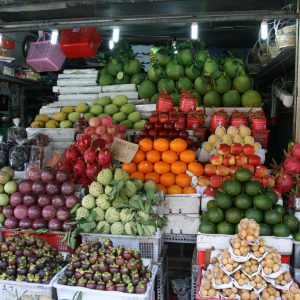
(74, 209)
(139, 229)
(147, 207)
(146, 230)
(44, 230)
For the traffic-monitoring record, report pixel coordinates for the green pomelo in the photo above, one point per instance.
(210, 66)
(222, 84)
(215, 215)
(128, 108)
(212, 99)
(265, 229)
(155, 73)
(132, 67)
(147, 89)
(232, 187)
(106, 79)
(234, 215)
(202, 85)
(251, 98)
(207, 228)
(243, 201)
(120, 100)
(262, 203)
(137, 78)
(253, 188)
(185, 57)
(225, 228)
(232, 99)
(111, 109)
(114, 67)
(242, 83)
(272, 217)
(242, 175)
(174, 71)
(255, 214)
(281, 230)
(166, 85)
(223, 200)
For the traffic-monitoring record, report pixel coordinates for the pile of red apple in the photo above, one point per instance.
(85, 158)
(227, 160)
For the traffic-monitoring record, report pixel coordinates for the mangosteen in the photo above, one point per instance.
(96, 245)
(22, 271)
(11, 271)
(101, 259)
(130, 288)
(93, 258)
(63, 280)
(29, 241)
(141, 288)
(127, 255)
(82, 256)
(106, 277)
(124, 270)
(88, 275)
(97, 276)
(46, 280)
(27, 252)
(117, 278)
(107, 243)
(85, 246)
(3, 265)
(126, 279)
(143, 271)
(113, 268)
(137, 255)
(33, 269)
(19, 252)
(20, 278)
(95, 268)
(42, 273)
(110, 286)
(110, 259)
(120, 261)
(47, 259)
(139, 265)
(32, 259)
(69, 272)
(12, 248)
(81, 282)
(91, 284)
(40, 263)
(131, 264)
(68, 258)
(21, 260)
(76, 264)
(79, 273)
(120, 287)
(100, 286)
(3, 248)
(85, 265)
(71, 281)
(103, 267)
(12, 260)
(135, 280)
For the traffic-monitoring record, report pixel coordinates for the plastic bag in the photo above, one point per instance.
(80, 124)
(19, 155)
(39, 139)
(3, 153)
(16, 135)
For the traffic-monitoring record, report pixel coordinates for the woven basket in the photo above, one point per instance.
(285, 33)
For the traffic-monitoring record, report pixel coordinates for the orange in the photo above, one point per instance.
(178, 145)
(139, 156)
(189, 190)
(178, 167)
(138, 175)
(196, 168)
(153, 156)
(145, 166)
(188, 156)
(152, 176)
(169, 156)
(161, 145)
(146, 144)
(129, 168)
(162, 167)
(174, 189)
(162, 188)
(167, 179)
(183, 180)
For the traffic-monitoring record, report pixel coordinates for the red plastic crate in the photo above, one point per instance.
(262, 137)
(285, 259)
(52, 238)
(83, 42)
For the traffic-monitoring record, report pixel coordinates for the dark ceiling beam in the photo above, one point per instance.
(238, 16)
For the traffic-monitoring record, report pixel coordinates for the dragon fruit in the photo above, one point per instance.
(107, 121)
(79, 168)
(284, 182)
(296, 150)
(292, 165)
(104, 158)
(92, 170)
(64, 166)
(72, 154)
(83, 142)
(90, 155)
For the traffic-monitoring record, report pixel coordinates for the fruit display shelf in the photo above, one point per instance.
(180, 238)
(55, 134)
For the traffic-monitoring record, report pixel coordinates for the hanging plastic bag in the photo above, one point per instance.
(3, 153)
(16, 134)
(19, 155)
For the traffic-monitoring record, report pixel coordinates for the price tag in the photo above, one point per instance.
(123, 151)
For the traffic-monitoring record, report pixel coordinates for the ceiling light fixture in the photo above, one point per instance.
(111, 44)
(116, 34)
(54, 36)
(264, 32)
(194, 31)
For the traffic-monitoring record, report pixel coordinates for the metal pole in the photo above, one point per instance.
(146, 19)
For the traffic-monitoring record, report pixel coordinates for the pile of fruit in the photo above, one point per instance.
(220, 81)
(107, 268)
(248, 270)
(243, 197)
(169, 164)
(7, 187)
(28, 258)
(118, 108)
(43, 201)
(90, 153)
(119, 206)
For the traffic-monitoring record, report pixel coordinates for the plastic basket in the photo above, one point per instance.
(261, 137)
(70, 292)
(81, 42)
(149, 246)
(52, 238)
(45, 57)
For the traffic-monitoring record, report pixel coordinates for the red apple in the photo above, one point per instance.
(261, 171)
(216, 181)
(228, 160)
(216, 159)
(163, 118)
(154, 118)
(222, 170)
(210, 170)
(255, 178)
(236, 149)
(248, 149)
(179, 125)
(210, 191)
(153, 133)
(269, 181)
(226, 178)
(224, 149)
(148, 126)
(249, 167)
(241, 160)
(163, 133)
(183, 134)
(203, 181)
(254, 160)
(158, 126)
(173, 116)
(168, 126)
(232, 170)
(173, 134)
(144, 133)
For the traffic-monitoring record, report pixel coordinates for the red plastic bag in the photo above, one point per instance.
(188, 102)
(164, 103)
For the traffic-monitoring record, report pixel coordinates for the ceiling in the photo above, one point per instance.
(148, 22)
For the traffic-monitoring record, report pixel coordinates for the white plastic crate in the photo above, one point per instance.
(181, 204)
(182, 223)
(65, 292)
(284, 245)
(149, 246)
(10, 289)
(55, 134)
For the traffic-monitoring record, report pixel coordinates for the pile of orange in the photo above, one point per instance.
(166, 164)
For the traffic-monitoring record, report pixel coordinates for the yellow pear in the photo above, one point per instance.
(212, 139)
(208, 147)
(257, 146)
(238, 139)
(226, 139)
(249, 140)
(244, 131)
(220, 131)
(232, 131)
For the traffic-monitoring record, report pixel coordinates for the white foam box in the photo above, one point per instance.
(130, 87)
(63, 90)
(284, 245)
(76, 82)
(79, 97)
(182, 223)
(80, 71)
(181, 204)
(129, 94)
(55, 134)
